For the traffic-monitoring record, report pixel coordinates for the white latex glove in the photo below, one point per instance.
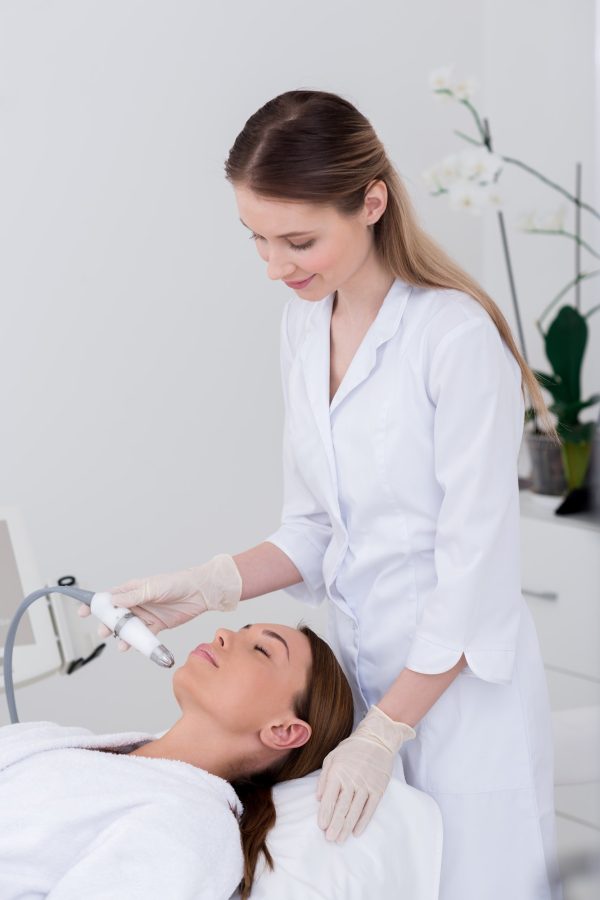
(356, 773)
(168, 600)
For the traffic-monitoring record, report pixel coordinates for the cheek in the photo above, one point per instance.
(244, 700)
(318, 260)
(250, 697)
(329, 255)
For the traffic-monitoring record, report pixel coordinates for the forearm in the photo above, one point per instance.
(413, 694)
(265, 568)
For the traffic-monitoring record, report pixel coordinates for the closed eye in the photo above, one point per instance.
(257, 237)
(262, 650)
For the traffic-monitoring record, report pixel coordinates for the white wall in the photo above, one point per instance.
(541, 96)
(139, 355)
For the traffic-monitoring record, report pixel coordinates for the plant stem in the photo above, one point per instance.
(511, 280)
(512, 284)
(591, 311)
(566, 234)
(516, 162)
(582, 277)
(469, 139)
(579, 203)
(483, 129)
(578, 236)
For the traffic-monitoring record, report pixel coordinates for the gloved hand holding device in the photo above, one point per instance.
(170, 599)
(356, 773)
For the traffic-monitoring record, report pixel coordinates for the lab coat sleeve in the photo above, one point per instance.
(305, 530)
(475, 607)
(156, 850)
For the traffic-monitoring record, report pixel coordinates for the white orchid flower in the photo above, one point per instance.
(526, 221)
(543, 221)
(467, 197)
(553, 221)
(440, 78)
(448, 170)
(430, 178)
(464, 89)
(494, 196)
(479, 165)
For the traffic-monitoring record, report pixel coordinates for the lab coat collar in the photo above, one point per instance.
(315, 358)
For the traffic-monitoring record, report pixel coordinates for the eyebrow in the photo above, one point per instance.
(273, 634)
(289, 234)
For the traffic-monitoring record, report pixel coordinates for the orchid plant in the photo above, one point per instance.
(470, 178)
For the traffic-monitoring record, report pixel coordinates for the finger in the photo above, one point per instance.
(130, 585)
(153, 622)
(84, 610)
(342, 807)
(356, 808)
(103, 631)
(128, 598)
(323, 777)
(328, 801)
(122, 645)
(367, 814)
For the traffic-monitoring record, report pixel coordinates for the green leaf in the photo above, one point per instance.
(566, 339)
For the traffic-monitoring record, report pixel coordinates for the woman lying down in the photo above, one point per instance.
(184, 815)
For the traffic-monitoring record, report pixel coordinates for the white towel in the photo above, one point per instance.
(75, 822)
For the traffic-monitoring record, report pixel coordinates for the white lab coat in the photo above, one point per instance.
(401, 510)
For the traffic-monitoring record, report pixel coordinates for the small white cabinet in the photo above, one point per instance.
(560, 566)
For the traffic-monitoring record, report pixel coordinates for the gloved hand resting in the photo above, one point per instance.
(168, 600)
(356, 773)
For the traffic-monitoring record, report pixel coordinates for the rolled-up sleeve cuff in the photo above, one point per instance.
(430, 658)
(308, 559)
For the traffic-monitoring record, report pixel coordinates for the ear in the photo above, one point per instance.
(376, 196)
(286, 735)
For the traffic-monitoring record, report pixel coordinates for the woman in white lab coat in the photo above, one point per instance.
(404, 401)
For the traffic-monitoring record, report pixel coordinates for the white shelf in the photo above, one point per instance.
(542, 506)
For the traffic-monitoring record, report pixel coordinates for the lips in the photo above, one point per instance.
(297, 284)
(205, 651)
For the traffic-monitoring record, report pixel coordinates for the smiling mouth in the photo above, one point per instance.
(297, 283)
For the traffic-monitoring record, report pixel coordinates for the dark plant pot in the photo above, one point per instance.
(547, 472)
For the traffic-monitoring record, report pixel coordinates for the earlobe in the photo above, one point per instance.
(286, 736)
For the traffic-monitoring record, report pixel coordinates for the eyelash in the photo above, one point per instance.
(262, 650)
(255, 237)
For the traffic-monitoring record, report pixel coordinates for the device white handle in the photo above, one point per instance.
(130, 628)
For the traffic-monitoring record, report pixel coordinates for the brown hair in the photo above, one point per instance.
(316, 147)
(326, 704)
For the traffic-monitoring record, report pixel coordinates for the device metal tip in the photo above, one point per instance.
(162, 656)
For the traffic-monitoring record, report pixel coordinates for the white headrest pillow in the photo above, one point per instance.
(397, 856)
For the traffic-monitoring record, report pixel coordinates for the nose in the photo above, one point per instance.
(223, 637)
(278, 268)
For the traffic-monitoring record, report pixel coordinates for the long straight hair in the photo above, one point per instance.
(327, 705)
(316, 147)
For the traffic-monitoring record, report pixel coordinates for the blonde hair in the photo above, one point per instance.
(316, 147)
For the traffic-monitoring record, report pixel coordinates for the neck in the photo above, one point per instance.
(202, 744)
(357, 302)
